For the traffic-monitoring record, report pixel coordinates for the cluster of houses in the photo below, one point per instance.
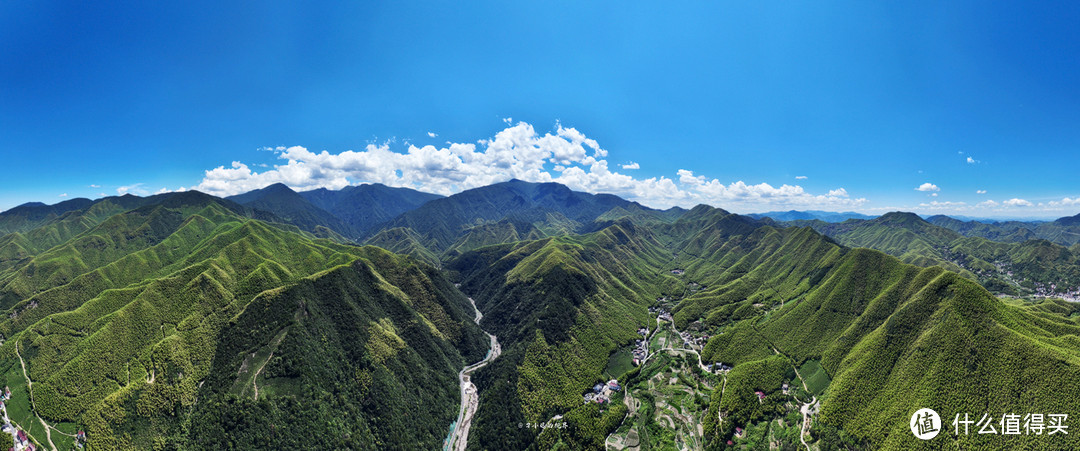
(661, 312)
(718, 367)
(641, 347)
(1051, 291)
(602, 393)
(22, 442)
(694, 342)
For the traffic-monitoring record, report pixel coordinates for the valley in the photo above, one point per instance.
(516, 316)
(459, 429)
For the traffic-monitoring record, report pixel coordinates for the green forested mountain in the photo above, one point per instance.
(794, 215)
(1064, 231)
(185, 321)
(891, 337)
(363, 207)
(32, 214)
(1029, 267)
(1007, 231)
(294, 209)
(165, 325)
(463, 221)
(560, 306)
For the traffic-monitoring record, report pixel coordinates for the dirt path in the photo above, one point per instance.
(29, 393)
(470, 398)
(255, 380)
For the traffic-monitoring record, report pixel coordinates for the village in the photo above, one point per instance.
(21, 440)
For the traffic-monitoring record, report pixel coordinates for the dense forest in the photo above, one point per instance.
(186, 321)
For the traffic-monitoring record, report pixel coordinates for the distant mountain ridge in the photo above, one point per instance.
(1064, 231)
(1010, 266)
(529, 209)
(794, 215)
(363, 207)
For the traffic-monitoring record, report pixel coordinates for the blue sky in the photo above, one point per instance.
(749, 107)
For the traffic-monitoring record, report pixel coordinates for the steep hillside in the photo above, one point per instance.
(443, 222)
(363, 207)
(1064, 231)
(560, 306)
(32, 214)
(294, 209)
(126, 328)
(1029, 267)
(888, 335)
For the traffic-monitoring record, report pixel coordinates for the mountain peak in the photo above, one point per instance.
(1069, 220)
(900, 218)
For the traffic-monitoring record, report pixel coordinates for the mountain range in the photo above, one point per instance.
(341, 320)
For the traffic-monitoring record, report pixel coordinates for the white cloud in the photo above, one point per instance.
(62, 195)
(565, 156)
(933, 194)
(164, 190)
(980, 191)
(1014, 202)
(988, 204)
(133, 189)
(928, 187)
(800, 177)
(1064, 203)
(95, 186)
(432, 134)
(972, 160)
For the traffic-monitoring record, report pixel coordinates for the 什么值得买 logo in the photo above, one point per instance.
(925, 424)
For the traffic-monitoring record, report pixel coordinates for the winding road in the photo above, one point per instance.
(470, 399)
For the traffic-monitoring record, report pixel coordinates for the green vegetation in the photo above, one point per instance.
(138, 330)
(1025, 266)
(619, 363)
(815, 377)
(893, 337)
(183, 321)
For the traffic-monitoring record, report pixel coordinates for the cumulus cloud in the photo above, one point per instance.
(164, 190)
(95, 186)
(62, 195)
(133, 189)
(988, 204)
(565, 155)
(1014, 202)
(980, 191)
(432, 134)
(972, 160)
(928, 187)
(1064, 203)
(800, 177)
